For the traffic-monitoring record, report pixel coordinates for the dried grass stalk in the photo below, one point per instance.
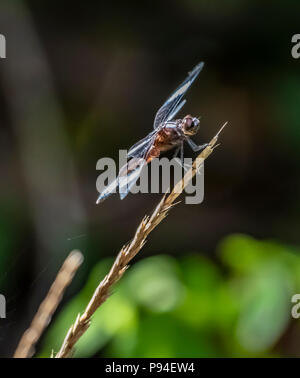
(47, 308)
(129, 251)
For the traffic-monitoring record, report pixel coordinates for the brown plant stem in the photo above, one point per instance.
(47, 308)
(128, 252)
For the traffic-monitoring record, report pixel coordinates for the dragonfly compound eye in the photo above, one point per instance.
(188, 122)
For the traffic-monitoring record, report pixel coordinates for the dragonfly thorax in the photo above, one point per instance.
(190, 125)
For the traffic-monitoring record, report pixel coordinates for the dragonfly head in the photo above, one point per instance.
(190, 125)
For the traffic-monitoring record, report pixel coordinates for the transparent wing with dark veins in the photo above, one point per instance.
(175, 111)
(169, 107)
(130, 173)
(138, 149)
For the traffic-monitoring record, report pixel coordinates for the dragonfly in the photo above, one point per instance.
(167, 134)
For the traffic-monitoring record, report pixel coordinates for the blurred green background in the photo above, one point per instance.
(82, 81)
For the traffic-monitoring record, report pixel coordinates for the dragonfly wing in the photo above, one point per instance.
(127, 177)
(130, 173)
(138, 149)
(172, 102)
(176, 110)
(126, 182)
(112, 188)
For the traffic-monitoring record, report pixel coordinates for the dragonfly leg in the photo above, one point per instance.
(180, 148)
(181, 154)
(176, 152)
(186, 167)
(195, 147)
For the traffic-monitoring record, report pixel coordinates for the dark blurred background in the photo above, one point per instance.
(82, 81)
